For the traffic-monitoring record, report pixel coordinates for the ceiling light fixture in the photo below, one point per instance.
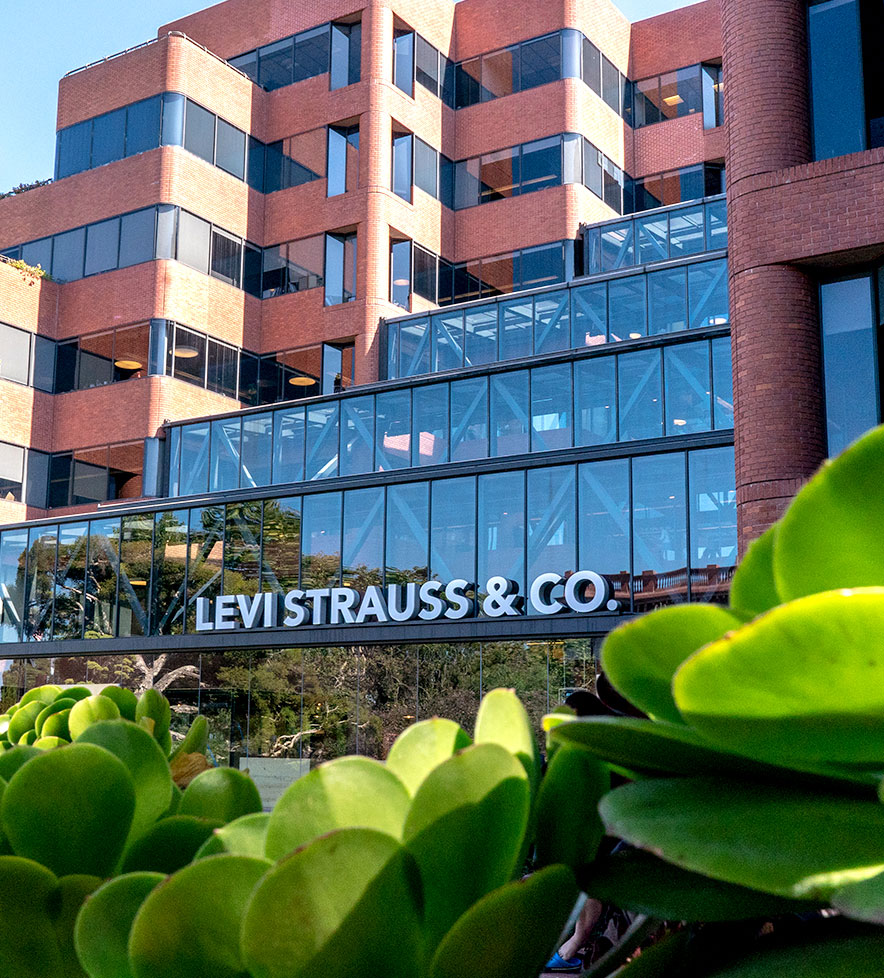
(125, 363)
(301, 381)
(401, 281)
(186, 352)
(673, 100)
(679, 422)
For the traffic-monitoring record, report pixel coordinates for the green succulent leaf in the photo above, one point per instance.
(86, 712)
(804, 683)
(641, 657)
(190, 924)
(152, 705)
(125, 700)
(27, 937)
(56, 725)
(221, 793)
(39, 694)
(753, 588)
(146, 763)
(465, 829)
(23, 720)
(853, 957)
(244, 836)
(101, 934)
(75, 692)
(638, 881)
(344, 793)
(65, 903)
(662, 959)
(12, 760)
(503, 720)
(348, 903)
(511, 931)
(829, 537)
(70, 810)
(752, 835)
(422, 747)
(168, 845)
(58, 706)
(661, 748)
(569, 829)
(5, 848)
(863, 900)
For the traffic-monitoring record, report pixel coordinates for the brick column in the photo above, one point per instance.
(779, 429)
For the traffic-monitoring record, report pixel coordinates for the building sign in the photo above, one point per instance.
(583, 592)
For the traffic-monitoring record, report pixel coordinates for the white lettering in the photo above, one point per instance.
(394, 602)
(343, 601)
(250, 611)
(225, 609)
(204, 621)
(297, 612)
(271, 607)
(435, 607)
(461, 605)
(574, 587)
(320, 609)
(541, 594)
(373, 605)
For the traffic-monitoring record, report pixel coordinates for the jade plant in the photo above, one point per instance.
(756, 781)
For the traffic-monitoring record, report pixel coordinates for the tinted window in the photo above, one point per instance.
(15, 346)
(226, 258)
(426, 168)
(137, 237)
(641, 400)
(510, 413)
(402, 177)
(427, 65)
(311, 53)
(541, 164)
(231, 149)
(73, 149)
(688, 390)
(610, 84)
(193, 241)
(67, 255)
(109, 137)
(403, 62)
(592, 66)
(143, 126)
(102, 246)
(173, 119)
(541, 61)
(199, 131)
(276, 64)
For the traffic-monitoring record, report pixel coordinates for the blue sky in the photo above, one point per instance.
(70, 34)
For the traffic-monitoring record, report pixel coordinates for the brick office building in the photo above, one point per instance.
(348, 300)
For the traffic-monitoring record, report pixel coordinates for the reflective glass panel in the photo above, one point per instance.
(73, 150)
(713, 501)
(481, 335)
(321, 541)
(430, 425)
(500, 73)
(67, 255)
(109, 137)
(541, 164)
(70, 588)
(363, 555)
(224, 472)
(686, 234)
(137, 237)
(311, 53)
(551, 321)
(542, 266)
(626, 308)
(136, 551)
(641, 399)
(403, 61)
(708, 294)
(589, 316)
(193, 241)
(688, 393)
(15, 346)
(541, 61)
(281, 544)
(101, 578)
(393, 430)
(199, 131)
(276, 64)
(288, 445)
(169, 572)
(617, 246)
(659, 531)
(447, 341)
(357, 435)
(322, 442)
(231, 149)
(226, 258)
(516, 326)
(194, 458)
(722, 382)
(603, 506)
(427, 65)
(414, 347)
(509, 413)
(501, 540)
(40, 584)
(551, 408)
(13, 556)
(453, 530)
(595, 395)
(499, 175)
(257, 443)
(204, 557)
(102, 246)
(242, 548)
(667, 302)
(469, 419)
(143, 125)
(552, 537)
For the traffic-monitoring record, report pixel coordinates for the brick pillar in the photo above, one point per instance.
(779, 430)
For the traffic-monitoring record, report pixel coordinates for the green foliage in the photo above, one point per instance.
(758, 767)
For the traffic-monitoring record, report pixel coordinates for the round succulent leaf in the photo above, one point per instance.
(344, 793)
(829, 537)
(65, 903)
(146, 763)
(851, 957)
(660, 748)
(502, 719)
(5, 848)
(101, 934)
(190, 924)
(23, 720)
(641, 657)
(753, 588)
(804, 682)
(152, 705)
(511, 931)
(27, 739)
(50, 743)
(75, 692)
(465, 829)
(125, 699)
(12, 760)
(70, 810)
(568, 826)
(86, 712)
(347, 903)
(39, 694)
(786, 841)
(56, 725)
(168, 845)
(422, 747)
(221, 793)
(863, 900)
(27, 938)
(57, 706)
(244, 836)
(638, 881)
